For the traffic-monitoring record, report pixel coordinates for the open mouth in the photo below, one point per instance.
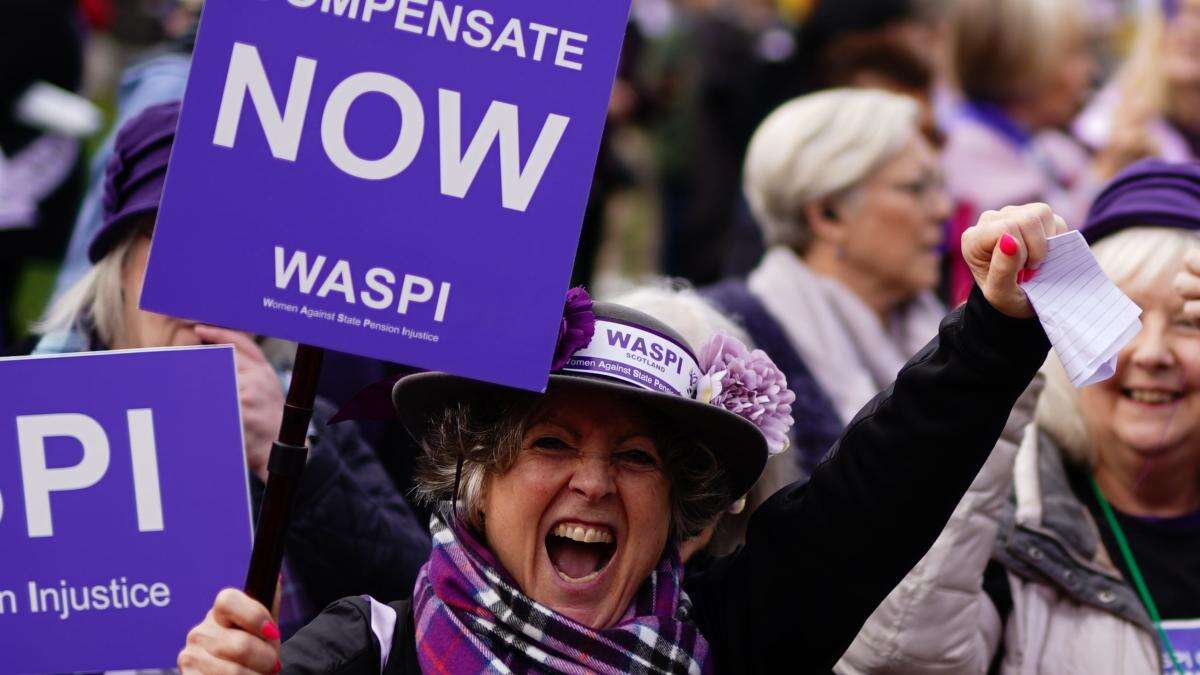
(579, 552)
(1152, 396)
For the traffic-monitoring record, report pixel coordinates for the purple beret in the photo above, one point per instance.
(1152, 193)
(133, 179)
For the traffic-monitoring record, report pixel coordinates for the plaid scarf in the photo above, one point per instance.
(471, 618)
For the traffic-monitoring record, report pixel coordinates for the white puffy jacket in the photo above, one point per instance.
(1072, 612)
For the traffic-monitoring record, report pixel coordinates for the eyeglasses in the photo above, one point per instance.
(929, 191)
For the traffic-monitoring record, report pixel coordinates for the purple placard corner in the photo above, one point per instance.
(124, 505)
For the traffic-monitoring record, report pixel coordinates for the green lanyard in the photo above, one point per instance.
(1136, 573)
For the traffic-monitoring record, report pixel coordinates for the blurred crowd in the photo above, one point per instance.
(1020, 101)
(802, 173)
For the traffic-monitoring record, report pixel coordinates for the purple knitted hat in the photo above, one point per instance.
(133, 180)
(1151, 192)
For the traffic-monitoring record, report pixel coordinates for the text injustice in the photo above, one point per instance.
(65, 599)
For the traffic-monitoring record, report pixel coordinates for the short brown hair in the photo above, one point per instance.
(881, 55)
(1002, 50)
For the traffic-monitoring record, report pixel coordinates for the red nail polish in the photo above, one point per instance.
(1008, 245)
(270, 631)
(1022, 276)
(1032, 273)
(277, 668)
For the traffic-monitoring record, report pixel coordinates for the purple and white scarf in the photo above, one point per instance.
(471, 618)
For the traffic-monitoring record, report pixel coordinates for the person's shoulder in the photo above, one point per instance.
(1065, 152)
(347, 638)
(731, 295)
(155, 78)
(986, 170)
(62, 341)
(968, 140)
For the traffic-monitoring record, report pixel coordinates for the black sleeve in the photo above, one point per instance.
(338, 642)
(819, 558)
(352, 533)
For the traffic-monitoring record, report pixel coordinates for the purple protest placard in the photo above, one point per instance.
(402, 179)
(1184, 635)
(124, 505)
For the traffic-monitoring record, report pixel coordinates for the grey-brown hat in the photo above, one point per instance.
(625, 352)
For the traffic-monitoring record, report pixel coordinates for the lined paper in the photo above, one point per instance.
(1087, 318)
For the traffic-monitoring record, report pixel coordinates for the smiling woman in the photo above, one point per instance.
(1146, 420)
(586, 554)
(490, 437)
(1094, 559)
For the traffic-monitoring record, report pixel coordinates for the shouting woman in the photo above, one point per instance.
(556, 549)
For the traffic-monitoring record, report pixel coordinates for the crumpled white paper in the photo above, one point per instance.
(1087, 318)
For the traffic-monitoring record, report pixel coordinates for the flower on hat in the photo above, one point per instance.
(749, 384)
(577, 327)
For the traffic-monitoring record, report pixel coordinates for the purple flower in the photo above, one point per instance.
(577, 327)
(747, 384)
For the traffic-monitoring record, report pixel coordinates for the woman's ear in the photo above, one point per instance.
(824, 218)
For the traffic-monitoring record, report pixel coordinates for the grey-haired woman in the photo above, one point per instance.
(557, 550)
(851, 202)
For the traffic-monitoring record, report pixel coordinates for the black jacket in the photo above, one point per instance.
(819, 557)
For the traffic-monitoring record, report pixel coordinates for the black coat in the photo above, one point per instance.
(819, 557)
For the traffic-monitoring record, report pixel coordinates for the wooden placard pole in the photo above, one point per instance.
(285, 468)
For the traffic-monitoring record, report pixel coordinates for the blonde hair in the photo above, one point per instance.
(1001, 50)
(95, 303)
(1135, 259)
(1142, 78)
(821, 146)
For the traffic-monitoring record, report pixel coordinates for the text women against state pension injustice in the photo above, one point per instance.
(477, 28)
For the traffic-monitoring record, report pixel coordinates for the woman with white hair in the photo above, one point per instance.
(850, 198)
(1077, 548)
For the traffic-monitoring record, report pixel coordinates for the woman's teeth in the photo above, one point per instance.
(579, 553)
(587, 535)
(1151, 396)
